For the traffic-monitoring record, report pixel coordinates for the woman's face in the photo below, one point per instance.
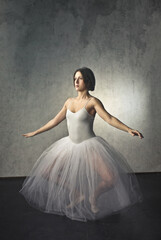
(79, 82)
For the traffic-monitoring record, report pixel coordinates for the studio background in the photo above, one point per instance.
(41, 45)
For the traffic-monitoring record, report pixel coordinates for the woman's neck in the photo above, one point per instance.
(83, 94)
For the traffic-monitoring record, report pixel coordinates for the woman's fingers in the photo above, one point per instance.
(31, 134)
(25, 135)
(136, 132)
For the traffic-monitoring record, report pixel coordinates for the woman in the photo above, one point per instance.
(81, 175)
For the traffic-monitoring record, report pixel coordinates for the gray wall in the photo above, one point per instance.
(41, 45)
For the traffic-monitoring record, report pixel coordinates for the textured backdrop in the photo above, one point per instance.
(41, 45)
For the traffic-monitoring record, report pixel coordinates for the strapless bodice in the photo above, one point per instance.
(80, 125)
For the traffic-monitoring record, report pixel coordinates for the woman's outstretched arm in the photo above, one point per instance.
(52, 123)
(113, 121)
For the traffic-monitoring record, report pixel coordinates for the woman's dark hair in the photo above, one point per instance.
(88, 77)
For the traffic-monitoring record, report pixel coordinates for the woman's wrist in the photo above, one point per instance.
(35, 132)
(128, 129)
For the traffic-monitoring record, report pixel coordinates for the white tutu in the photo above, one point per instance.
(69, 172)
(81, 175)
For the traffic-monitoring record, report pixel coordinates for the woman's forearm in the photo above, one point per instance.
(53, 122)
(118, 124)
(46, 127)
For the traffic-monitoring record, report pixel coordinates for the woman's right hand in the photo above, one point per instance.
(30, 134)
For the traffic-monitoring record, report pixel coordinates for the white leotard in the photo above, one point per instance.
(80, 124)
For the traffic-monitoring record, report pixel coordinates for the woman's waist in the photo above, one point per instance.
(80, 136)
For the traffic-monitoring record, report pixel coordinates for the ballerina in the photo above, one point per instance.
(81, 175)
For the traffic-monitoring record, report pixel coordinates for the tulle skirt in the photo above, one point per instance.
(84, 181)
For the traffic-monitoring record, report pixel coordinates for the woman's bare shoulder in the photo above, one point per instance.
(95, 100)
(68, 101)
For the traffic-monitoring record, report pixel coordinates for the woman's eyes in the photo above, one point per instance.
(78, 78)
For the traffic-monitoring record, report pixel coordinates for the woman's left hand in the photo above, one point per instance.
(135, 133)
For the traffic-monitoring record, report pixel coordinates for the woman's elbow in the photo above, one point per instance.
(109, 119)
